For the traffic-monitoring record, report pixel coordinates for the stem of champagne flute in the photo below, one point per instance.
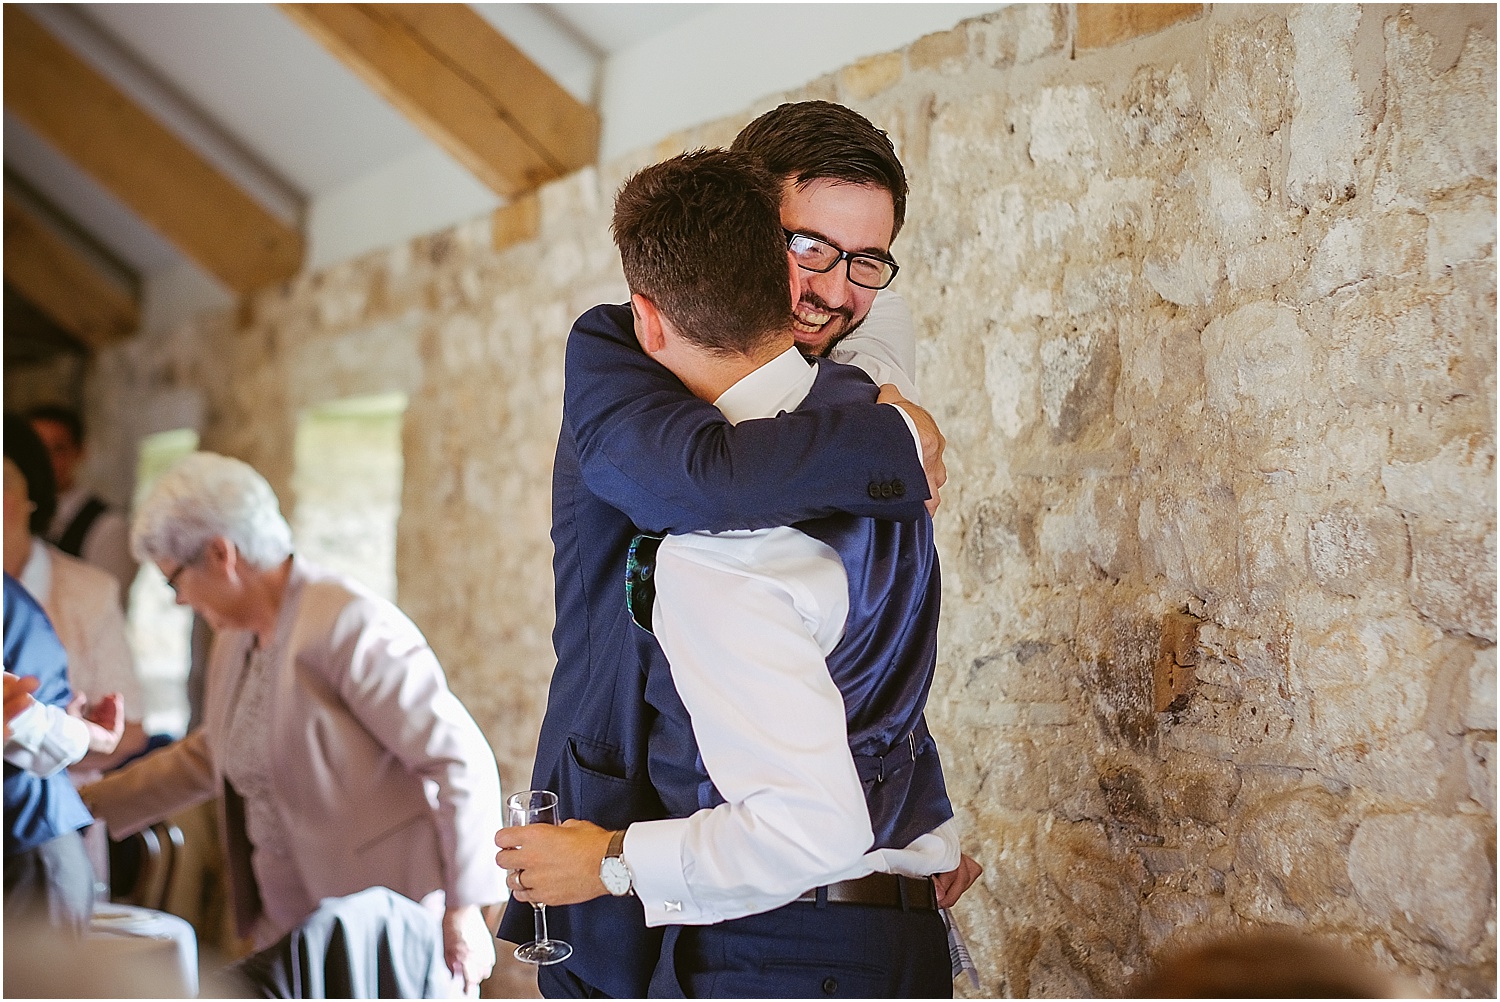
(540, 911)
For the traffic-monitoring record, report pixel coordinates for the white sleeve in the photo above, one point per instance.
(44, 739)
(885, 345)
(746, 643)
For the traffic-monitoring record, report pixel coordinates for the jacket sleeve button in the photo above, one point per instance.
(874, 490)
(898, 488)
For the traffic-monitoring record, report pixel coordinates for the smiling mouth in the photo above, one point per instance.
(810, 321)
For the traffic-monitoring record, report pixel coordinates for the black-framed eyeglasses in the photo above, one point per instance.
(865, 270)
(172, 578)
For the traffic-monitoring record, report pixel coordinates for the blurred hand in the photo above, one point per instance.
(931, 438)
(468, 946)
(105, 719)
(951, 885)
(18, 690)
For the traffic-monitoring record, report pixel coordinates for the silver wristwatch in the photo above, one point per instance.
(613, 870)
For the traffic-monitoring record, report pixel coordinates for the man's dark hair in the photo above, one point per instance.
(65, 416)
(700, 236)
(23, 446)
(814, 140)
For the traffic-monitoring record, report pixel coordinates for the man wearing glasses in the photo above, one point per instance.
(638, 452)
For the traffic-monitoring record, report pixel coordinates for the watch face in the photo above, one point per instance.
(615, 875)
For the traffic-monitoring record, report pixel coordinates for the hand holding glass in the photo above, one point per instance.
(537, 807)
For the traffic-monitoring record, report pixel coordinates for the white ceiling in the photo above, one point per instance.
(257, 96)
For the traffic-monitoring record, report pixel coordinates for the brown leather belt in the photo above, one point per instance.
(883, 890)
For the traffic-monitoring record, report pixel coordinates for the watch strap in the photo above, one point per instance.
(616, 844)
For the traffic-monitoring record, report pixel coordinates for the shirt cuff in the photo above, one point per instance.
(47, 740)
(911, 426)
(653, 851)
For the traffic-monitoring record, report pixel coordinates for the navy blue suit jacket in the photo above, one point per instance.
(37, 810)
(639, 453)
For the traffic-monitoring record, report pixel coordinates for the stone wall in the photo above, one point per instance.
(1208, 316)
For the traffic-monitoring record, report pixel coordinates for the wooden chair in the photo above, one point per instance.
(141, 866)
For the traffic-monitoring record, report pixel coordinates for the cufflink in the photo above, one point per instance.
(672, 906)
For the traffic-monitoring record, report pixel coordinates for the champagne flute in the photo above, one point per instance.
(537, 807)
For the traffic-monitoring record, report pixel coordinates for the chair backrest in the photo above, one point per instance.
(142, 866)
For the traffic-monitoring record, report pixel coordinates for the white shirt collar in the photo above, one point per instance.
(779, 385)
(36, 576)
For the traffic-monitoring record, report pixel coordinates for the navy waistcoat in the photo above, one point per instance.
(883, 666)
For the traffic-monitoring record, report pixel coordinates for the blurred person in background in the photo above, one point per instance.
(82, 602)
(340, 756)
(83, 524)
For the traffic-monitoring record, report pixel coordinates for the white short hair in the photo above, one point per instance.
(206, 495)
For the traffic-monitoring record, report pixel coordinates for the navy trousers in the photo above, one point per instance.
(805, 950)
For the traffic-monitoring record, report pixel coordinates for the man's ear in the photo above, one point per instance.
(648, 325)
(797, 279)
(221, 557)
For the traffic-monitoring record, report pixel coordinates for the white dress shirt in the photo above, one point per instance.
(884, 345)
(747, 619)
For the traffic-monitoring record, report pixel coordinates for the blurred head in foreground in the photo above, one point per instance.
(1270, 965)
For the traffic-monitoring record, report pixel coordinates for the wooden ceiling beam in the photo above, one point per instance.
(161, 178)
(463, 84)
(63, 283)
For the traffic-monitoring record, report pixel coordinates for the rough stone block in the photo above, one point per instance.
(1011, 379)
(1019, 34)
(1191, 541)
(1418, 872)
(1201, 789)
(943, 51)
(871, 75)
(1290, 857)
(1177, 659)
(1479, 768)
(1161, 107)
(1188, 279)
(1079, 372)
(1256, 359)
(1104, 24)
(1329, 129)
(1262, 266)
(1454, 485)
(1479, 710)
(1347, 548)
(1453, 575)
(1457, 236)
(1061, 132)
(1445, 135)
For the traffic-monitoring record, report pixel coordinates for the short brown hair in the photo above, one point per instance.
(816, 140)
(700, 236)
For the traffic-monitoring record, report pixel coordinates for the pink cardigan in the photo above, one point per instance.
(383, 777)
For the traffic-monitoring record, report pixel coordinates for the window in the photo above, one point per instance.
(159, 628)
(348, 487)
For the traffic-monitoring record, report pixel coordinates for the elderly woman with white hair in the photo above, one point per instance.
(341, 758)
